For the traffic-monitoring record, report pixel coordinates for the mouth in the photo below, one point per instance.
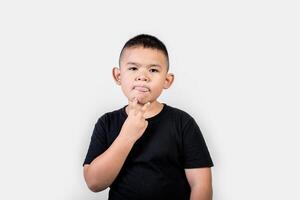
(141, 88)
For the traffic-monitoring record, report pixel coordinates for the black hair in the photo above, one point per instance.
(146, 41)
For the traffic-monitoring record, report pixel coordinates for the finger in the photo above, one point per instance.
(134, 105)
(133, 99)
(146, 123)
(134, 102)
(146, 107)
(130, 104)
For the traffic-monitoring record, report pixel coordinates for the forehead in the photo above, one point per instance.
(143, 56)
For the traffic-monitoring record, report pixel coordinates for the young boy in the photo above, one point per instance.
(147, 149)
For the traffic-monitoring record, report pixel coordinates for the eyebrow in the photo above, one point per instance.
(138, 65)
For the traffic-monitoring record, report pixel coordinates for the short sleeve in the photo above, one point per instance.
(98, 142)
(195, 151)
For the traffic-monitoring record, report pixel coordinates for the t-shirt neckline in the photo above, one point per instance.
(150, 119)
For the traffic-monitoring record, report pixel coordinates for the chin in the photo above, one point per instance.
(142, 101)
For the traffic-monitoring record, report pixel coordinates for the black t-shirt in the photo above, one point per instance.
(154, 168)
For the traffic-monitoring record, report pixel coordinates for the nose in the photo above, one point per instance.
(142, 77)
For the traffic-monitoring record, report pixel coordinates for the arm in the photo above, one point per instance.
(200, 181)
(104, 169)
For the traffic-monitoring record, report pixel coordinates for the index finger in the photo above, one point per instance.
(132, 104)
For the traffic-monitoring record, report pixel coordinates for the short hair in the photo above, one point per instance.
(146, 41)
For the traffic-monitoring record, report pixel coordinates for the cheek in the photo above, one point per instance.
(159, 83)
(126, 85)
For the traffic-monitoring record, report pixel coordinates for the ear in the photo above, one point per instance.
(116, 73)
(169, 80)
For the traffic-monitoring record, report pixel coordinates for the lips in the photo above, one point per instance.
(141, 88)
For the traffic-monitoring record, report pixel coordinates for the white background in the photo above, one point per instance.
(236, 66)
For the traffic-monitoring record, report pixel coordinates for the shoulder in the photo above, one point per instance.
(111, 117)
(179, 113)
(180, 116)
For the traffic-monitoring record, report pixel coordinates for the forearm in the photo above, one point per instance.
(201, 193)
(104, 169)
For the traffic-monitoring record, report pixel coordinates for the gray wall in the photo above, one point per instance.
(236, 67)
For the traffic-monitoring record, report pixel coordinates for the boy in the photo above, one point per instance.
(147, 149)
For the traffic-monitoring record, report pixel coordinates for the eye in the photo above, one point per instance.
(154, 70)
(132, 68)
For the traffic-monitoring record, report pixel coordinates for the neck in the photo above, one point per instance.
(155, 108)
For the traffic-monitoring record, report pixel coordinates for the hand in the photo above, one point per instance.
(135, 124)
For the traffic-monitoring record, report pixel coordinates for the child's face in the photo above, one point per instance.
(143, 74)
